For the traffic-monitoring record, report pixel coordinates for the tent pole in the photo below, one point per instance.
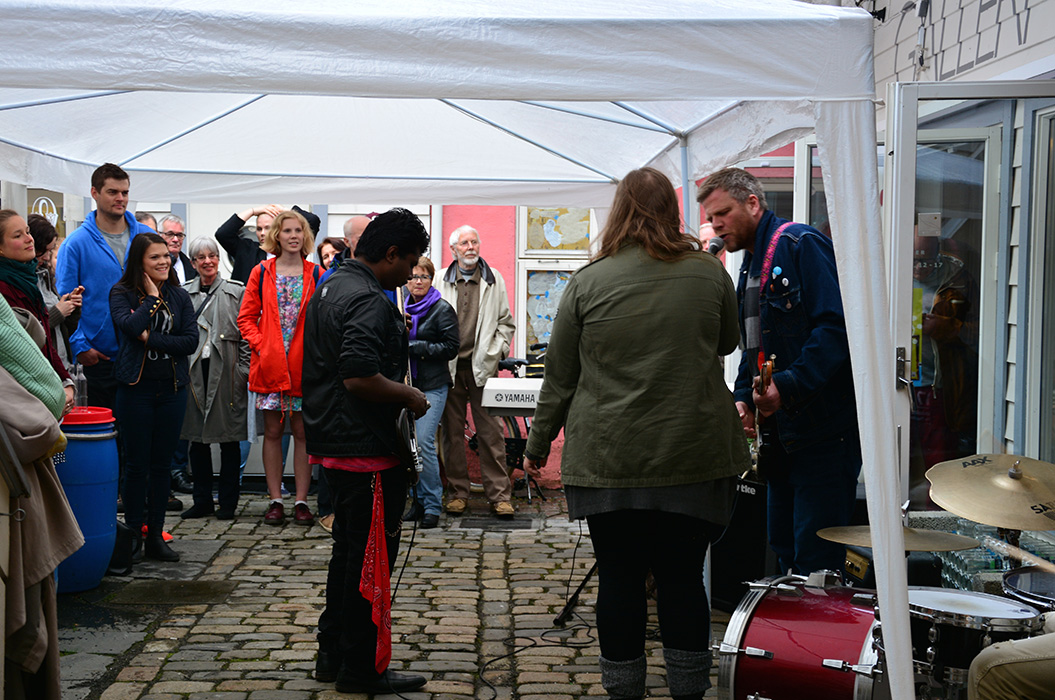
(686, 195)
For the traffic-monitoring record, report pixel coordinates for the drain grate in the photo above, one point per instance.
(174, 593)
(486, 522)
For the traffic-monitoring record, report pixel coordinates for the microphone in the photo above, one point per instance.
(715, 245)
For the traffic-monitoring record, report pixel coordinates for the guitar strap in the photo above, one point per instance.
(767, 268)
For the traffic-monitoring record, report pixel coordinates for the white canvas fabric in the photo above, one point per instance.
(525, 102)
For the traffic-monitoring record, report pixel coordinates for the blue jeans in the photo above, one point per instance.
(811, 489)
(151, 415)
(430, 488)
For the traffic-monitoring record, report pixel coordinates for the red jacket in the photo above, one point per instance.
(271, 370)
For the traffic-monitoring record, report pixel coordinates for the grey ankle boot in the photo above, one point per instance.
(624, 680)
(688, 673)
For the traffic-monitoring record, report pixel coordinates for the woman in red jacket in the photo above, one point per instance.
(272, 321)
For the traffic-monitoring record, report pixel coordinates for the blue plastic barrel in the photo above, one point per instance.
(88, 472)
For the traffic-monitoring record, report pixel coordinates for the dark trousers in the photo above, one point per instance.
(201, 473)
(151, 415)
(325, 505)
(102, 385)
(345, 627)
(808, 490)
(627, 545)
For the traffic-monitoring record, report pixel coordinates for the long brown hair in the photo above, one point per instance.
(645, 213)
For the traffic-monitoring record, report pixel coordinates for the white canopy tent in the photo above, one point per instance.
(526, 102)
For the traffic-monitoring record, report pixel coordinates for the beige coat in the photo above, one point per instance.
(40, 540)
(494, 324)
(217, 412)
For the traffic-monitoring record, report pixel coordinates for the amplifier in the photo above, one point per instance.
(742, 554)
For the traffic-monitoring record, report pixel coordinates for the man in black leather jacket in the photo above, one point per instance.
(354, 390)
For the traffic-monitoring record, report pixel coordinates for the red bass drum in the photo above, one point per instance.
(789, 640)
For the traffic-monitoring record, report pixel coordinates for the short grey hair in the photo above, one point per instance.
(173, 218)
(739, 183)
(457, 233)
(205, 244)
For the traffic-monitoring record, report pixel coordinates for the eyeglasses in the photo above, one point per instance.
(173, 234)
(421, 277)
(207, 256)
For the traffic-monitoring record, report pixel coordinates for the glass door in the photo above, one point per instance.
(958, 196)
(947, 245)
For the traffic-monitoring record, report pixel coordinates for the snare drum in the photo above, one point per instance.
(787, 640)
(950, 627)
(1032, 586)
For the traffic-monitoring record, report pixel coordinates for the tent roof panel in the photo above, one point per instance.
(536, 49)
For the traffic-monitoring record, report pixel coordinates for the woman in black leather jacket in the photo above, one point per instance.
(434, 342)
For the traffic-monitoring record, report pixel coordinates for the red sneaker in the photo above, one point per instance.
(164, 535)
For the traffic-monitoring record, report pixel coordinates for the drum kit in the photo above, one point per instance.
(812, 636)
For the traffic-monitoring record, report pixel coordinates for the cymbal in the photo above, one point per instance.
(1009, 491)
(915, 540)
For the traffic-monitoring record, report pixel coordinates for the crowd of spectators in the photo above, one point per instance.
(186, 359)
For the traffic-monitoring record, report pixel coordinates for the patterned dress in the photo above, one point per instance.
(290, 291)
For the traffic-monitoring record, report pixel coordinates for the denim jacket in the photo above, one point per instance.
(804, 326)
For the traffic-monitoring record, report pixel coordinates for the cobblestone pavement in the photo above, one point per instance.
(473, 591)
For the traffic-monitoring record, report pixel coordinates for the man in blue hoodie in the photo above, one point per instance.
(93, 257)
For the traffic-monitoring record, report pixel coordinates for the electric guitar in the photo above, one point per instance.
(764, 438)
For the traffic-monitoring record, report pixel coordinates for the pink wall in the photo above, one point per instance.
(498, 240)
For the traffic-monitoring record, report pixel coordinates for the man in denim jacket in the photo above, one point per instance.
(795, 317)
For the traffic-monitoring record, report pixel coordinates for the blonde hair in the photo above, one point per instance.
(271, 244)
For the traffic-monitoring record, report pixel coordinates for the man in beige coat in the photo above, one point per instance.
(478, 294)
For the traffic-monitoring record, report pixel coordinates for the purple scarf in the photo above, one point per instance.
(419, 310)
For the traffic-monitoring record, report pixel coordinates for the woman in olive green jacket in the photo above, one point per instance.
(653, 440)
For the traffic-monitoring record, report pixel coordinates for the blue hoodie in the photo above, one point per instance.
(86, 259)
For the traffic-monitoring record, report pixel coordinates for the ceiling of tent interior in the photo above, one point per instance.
(351, 139)
(454, 101)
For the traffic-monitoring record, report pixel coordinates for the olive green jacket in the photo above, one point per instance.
(633, 374)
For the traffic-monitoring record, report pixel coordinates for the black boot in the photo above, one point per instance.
(137, 547)
(156, 548)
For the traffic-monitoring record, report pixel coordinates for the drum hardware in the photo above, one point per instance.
(823, 579)
(778, 583)
(869, 670)
(753, 652)
(864, 600)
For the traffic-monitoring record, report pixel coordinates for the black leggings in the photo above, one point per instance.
(630, 543)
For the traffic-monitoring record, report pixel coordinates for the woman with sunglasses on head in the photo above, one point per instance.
(271, 320)
(156, 331)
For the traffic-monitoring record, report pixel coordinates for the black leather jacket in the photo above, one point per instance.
(355, 331)
(435, 346)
